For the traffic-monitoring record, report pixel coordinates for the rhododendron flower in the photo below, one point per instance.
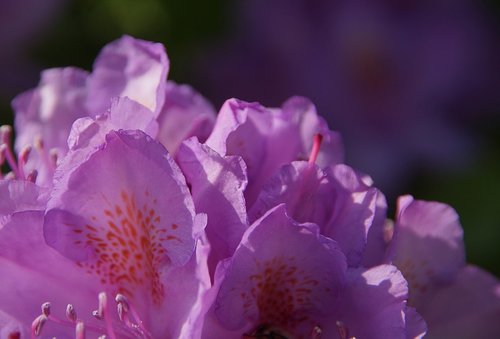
(157, 220)
(127, 67)
(428, 248)
(120, 223)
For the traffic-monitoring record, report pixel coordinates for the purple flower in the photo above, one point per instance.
(298, 287)
(119, 223)
(159, 221)
(457, 300)
(184, 114)
(335, 198)
(126, 69)
(267, 138)
(217, 184)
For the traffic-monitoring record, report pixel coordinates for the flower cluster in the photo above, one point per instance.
(132, 210)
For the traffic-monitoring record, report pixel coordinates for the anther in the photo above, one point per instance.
(53, 157)
(124, 308)
(99, 313)
(46, 309)
(5, 134)
(32, 176)
(22, 159)
(14, 335)
(318, 139)
(37, 325)
(342, 328)
(71, 313)
(80, 330)
(316, 332)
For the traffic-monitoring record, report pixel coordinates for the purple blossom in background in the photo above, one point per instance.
(132, 211)
(402, 80)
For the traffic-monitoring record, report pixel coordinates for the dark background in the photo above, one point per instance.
(413, 88)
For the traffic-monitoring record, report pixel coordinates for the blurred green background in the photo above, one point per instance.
(72, 33)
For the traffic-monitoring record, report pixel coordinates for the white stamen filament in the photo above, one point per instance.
(316, 332)
(37, 325)
(46, 309)
(124, 311)
(71, 313)
(80, 330)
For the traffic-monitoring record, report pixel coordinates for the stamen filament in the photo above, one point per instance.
(5, 135)
(318, 138)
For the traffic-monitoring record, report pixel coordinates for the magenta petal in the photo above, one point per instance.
(11, 327)
(34, 273)
(49, 110)
(128, 67)
(335, 198)
(310, 123)
(20, 195)
(124, 113)
(184, 114)
(265, 139)
(416, 327)
(469, 308)
(427, 246)
(378, 235)
(217, 185)
(125, 214)
(372, 305)
(283, 275)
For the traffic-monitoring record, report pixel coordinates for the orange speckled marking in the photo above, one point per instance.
(127, 242)
(282, 292)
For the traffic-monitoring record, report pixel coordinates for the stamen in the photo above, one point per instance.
(10, 176)
(316, 332)
(53, 157)
(80, 330)
(49, 159)
(123, 312)
(32, 176)
(318, 139)
(14, 335)
(37, 325)
(102, 314)
(46, 309)
(342, 328)
(5, 136)
(22, 159)
(71, 313)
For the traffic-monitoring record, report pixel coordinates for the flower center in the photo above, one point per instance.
(127, 244)
(282, 292)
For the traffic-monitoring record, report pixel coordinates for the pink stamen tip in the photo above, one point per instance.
(342, 329)
(38, 142)
(318, 139)
(316, 332)
(25, 153)
(124, 308)
(53, 156)
(32, 176)
(46, 308)
(80, 330)
(37, 325)
(71, 313)
(5, 134)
